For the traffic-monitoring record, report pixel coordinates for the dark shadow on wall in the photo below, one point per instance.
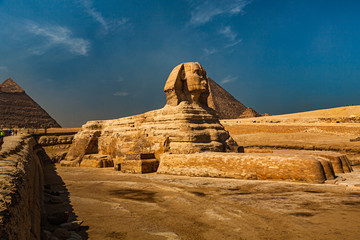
(57, 206)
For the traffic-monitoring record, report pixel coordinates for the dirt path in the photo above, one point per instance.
(114, 205)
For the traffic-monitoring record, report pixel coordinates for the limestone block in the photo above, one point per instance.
(65, 139)
(139, 166)
(263, 166)
(48, 140)
(96, 161)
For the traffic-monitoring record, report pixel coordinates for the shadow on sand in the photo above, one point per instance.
(57, 206)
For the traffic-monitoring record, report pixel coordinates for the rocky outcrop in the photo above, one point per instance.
(21, 190)
(17, 109)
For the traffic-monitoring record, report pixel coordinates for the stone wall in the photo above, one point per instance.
(21, 193)
(311, 168)
(56, 146)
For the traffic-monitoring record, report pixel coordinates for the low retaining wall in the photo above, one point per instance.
(339, 161)
(262, 166)
(21, 193)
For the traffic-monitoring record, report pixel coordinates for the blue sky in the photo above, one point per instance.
(90, 59)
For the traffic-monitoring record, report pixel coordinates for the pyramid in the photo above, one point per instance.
(249, 113)
(17, 109)
(223, 102)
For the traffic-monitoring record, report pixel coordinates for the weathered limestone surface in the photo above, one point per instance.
(339, 161)
(21, 191)
(54, 140)
(55, 146)
(185, 125)
(262, 166)
(184, 128)
(96, 160)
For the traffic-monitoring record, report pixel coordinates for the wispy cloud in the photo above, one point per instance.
(121, 94)
(56, 36)
(233, 43)
(228, 33)
(119, 79)
(4, 69)
(97, 16)
(209, 52)
(228, 79)
(205, 11)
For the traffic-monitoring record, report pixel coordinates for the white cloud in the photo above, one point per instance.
(228, 79)
(230, 35)
(233, 43)
(97, 16)
(88, 6)
(121, 94)
(205, 11)
(58, 36)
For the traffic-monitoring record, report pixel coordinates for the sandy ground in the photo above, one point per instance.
(114, 205)
(309, 136)
(339, 114)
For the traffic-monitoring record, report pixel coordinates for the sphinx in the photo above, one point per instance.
(185, 137)
(186, 124)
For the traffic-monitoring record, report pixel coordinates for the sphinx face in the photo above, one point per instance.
(187, 82)
(195, 76)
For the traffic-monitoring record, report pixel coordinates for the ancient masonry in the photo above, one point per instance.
(186, 138)
(17, 109)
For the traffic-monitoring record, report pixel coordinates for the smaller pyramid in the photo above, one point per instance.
(249, 113)
(17, 109)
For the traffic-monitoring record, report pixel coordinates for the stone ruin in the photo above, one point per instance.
(185, 137)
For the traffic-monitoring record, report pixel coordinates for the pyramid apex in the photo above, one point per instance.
(10, 86)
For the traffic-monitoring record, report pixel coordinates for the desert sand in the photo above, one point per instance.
(115, 205)
(328, 129)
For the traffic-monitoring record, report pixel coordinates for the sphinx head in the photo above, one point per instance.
(187, 82)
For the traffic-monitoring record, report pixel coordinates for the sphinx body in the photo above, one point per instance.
(185, 125)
